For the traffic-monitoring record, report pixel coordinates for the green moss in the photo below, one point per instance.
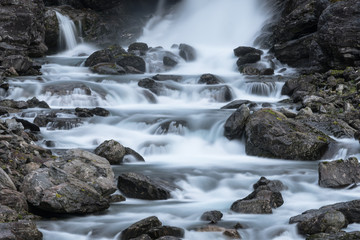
(270, 111)
(323, 139)
(58, 195)
(280, 119)
(336, 123)
(334, 72)
(339, 161)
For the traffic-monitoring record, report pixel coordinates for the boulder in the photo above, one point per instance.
(5, 181)
(85, 112)
(52, 122)
(235, 104)
(271, 134)
(212, 216)
(135, 185)
(28, 125)
(166, 231)
(140, 47)
(36, 103)
(9, 103)
(80, 182)
(152, 85)
(170, 62)
(22, 229)
(339, 173)
(108, 69)
(209, 79)
(139, 228)
(131, 61)
(106, 55)
(251, 57)
(187, 52)
(235, 124)
(52, 31)
(115, 153)
(164, 77)
(335, 236)
(228, 233)
(243, 50)
(14, 199)
(218, 93)
(262, 200)
(7, 214)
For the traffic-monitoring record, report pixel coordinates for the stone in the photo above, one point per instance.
(36, 103)
(168, 61)
(162, 231)
(138, 46)
(209, 79)
(235, 104)
(335, 236)
(187, 52)
(5, 181)
(139, 228)
(108, 69)
(22, 229)
(151, 85)
(235, 125)
(28, 125)
(135, 185)
(243, 50)
(212, 216)
(14, 199)
(131, 61)
(339, 173)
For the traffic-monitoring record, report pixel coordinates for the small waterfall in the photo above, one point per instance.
(68, 33)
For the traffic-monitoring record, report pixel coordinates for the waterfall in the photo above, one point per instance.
(68, 33)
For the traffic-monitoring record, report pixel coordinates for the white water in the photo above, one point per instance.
(211, 171)
(68, 32)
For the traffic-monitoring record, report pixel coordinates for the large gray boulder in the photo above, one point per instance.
(19, 230)
(271, 134)
(79, 182)
(235, 125)
(339, 173)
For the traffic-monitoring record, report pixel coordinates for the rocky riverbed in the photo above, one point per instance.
(61, 154)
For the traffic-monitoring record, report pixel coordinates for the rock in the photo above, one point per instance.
(305, 112)
(251, 57)
(79, 182)
(288, 113)
(249, 70)
(105, 56)
(13, 104)
(22, 229)
(14, 199)
(28, 125)
(142, 237)
(141, 227)
(164, 77)
(52, 31)
(339, 173)
(271, 134)
(52, 122)
(98, 111)
(172, 126)
(187, 52)
(5, 181)
(328, 222)
(212, 216)
(114, 152)
(35, 103)
(85, 112)
(135, 185)
(67, 88)
(209, 79)
(21, 64)
(136, 62)
(7, 215)
(168, 61)
(242, 50)
(266, 195)
(117, 198)
(267, 71)
(335, 236)
(235, 104)
(235, 124)
(108, 69)
(138, 46)
(162, 231)
(132, 156)
(229, 233)
(350, 210)
(218, 93)
(152, 85)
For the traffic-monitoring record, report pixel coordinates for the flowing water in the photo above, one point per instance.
(211, 171)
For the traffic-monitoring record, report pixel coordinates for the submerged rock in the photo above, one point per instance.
(339, 173)
(136, 185)
(212, 216)
(271, 134)
(187, 52)
(108, 69)
(209, 79)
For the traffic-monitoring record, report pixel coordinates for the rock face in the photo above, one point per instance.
(335, 236)
(340, 173)
(235, 124)
(150, 228)
(310, 34)
(328, 219)
(136, 185)
(80, 182)
(262, 200)
(271, 134)
(20, 230)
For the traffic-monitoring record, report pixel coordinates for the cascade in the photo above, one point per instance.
(68, 33)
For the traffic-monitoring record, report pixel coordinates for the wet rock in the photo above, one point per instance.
(22, 229)
(243, 50)
(117, 198)
(142, 237)
(142, 48)
(229, 233)
(235, 104)
(212, 216)
(13, 104)
(218, 93)
(168, 61)
(14, 199)
(266, 195)
(36, 103)
(350, 210)
(135, 62)
(339, 173)
(52, 122)
(249, 70)
(267, 71)
(162, 231)
(187, 52)
(28, 125)
(152, 85)
(85, 112)
(271, 134)
(172, 126)
(79, 182)
(164, 77)
(21, 64)
(115, 153)
(288, 113)
(105, 56)
(67, 88)
(335, 236)
(209, 79)
(52, 30)
(136, 185)
(235, 124)
(139, 228)
(108, 69)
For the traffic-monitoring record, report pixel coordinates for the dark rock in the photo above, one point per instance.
(212, 216)
(136, 185)
(35, 103)
(288, 113)
(22, 229)
(67, 88)
(105, 56)
(52, 122)
(52, 31)
(131, 61)
(235, 124)
(266, 195)
(171, 126)
(108, 69)
(80, 182)
(335, 236)
(5, 181)
(271, 134)
(218, 93)
(235, 104)
(328, 222)
(209, 79)
(138, 46)
(117, 198)
(139, 228)
(13, 104)
(242, 50)
(28, 125)
(85, 112)
(249, 70)
(251, 57)
(168, 61)
(162, 77)
(7, 215)
(142, 237)
(13, 199)
(98, 111)
(162, 231)
(187, 52)
(339, 173)
(131, 156)
(267, 71)
(229, 233)
(152, 85)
